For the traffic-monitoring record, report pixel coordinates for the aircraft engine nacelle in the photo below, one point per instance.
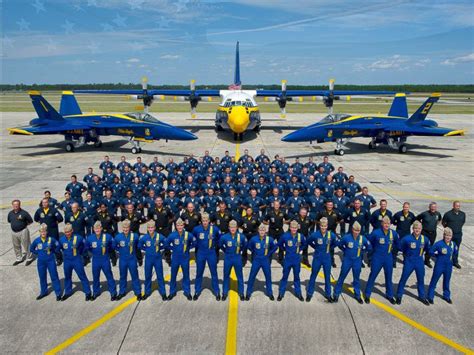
(430, 123)
(134, 97)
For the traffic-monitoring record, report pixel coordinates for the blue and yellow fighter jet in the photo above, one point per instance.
(80, 129)
(391, 130)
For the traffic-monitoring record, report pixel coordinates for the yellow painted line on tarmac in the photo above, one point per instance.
(420, 195)
(108, 316)
(233, 310)
(392, 311)
(232, 317)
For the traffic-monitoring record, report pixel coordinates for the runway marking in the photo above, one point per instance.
(420, 195)
(108, 316)
(392, 311)
(233, 310)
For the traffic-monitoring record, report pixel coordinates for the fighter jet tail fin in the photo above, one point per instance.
(399, 106)
(424, 109)
(43, 108)
(69, 105)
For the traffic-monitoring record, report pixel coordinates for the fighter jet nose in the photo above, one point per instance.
(173, 133)
(296, 136)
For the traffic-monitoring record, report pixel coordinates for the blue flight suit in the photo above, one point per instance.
(78, 222)
(174, 204)
(293, 246)
(211, 203)
(322, 245)
(76, 191)
(444, 253)
(233, 246)
(382, 251)
(51, 217)
(293, 205)
(96, 189)
(127, 245)
(127, 178)
(361, 216)
(262, 250)
(377, 216)
(153, 245)
(340, 179)
(90, 209)
(206, 243)
(73, 250)
(413, 250)
(233, 204)
(351, 188)
(316, 205)
(341, 205)
(180, 246)
(45, 249)
(100, 247)
(353, 250)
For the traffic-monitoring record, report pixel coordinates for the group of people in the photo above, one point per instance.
(235, 207)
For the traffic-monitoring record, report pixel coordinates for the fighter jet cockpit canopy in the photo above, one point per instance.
(142, 116)
(334, 117)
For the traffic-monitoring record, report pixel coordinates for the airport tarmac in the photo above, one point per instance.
(434, 169)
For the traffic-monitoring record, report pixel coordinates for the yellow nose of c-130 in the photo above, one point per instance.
(238, 119)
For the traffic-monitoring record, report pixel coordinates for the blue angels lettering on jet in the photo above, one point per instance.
(350, 133)
(127, 132)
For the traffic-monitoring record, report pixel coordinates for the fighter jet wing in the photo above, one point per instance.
(59, 128)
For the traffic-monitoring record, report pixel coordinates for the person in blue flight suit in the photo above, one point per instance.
(106, 163)
(444, 250)
(357, 214)
(99, 245)
(316, 203)
(207, 238)
(50, 216)
(73, 247)
(413, 246)
(262, 247)
(77, 219)
(326, 165)
(180, 242)
(65, 206)
(340, 178)
(126, 243)
(233, 244)
(377, 215)
(45, 247)
(294, 204)
(353, 245)
(293, 244)
(383, 240)
(322, 241)
(76, 189)
(351, 187)
(402, 220)
(211, 201)
(90, 207)
(341, 205)
(153, 243)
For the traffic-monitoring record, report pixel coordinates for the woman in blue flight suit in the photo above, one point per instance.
(445, 251)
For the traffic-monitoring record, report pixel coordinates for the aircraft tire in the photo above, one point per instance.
(402, 149)
(372, 145)
(134, 150)
(69, 147)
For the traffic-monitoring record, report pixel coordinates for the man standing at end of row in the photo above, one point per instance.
(19, 221)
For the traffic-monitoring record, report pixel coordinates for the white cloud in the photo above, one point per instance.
(457, 60)
(170, 56)
(395, 62)
(133, 60)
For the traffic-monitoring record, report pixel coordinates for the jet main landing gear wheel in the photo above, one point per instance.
(402, 149)
(69, 147)
(339, 152)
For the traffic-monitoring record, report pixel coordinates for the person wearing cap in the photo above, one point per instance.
(322, 241)
(383, 241)
(413, 246)
(45, 247)
(126, 244)
(292, 243)
(180, 242)
(233, 244)
(445, 251)
(73, 247)
(99, 245)
(262, 247)
(353, 245)
(207, 238)
(153, 244)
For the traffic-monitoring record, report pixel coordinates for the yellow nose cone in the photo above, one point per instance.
(238, 119)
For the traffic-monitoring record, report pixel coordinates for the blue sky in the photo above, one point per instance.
(306, 42)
